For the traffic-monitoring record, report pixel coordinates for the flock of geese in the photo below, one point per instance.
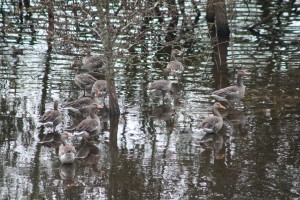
(88, 104)
(97, 89)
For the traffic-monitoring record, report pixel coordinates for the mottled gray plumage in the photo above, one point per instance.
(232, 93)
(162, 86)
(51, 118)
(100, 88)
(174, 67)
(89, 126)
(66, 151)
(93, 63)
(85, 81)
(213, 124)
(81, 105)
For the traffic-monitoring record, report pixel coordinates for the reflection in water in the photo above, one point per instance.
(213, 141)
(67, 173)
(161, 163)
(237, 118)
(88, 154)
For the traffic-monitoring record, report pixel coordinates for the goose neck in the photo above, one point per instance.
(216, 112)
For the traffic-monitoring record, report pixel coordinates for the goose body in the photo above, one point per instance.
(85, 81)
(92, 63)
(231, 93)
(213, 124)
(81, 105)
(51, 118)
(89, 126)
(161, 86)
(174, 67)
(100, 88)
(66, 151)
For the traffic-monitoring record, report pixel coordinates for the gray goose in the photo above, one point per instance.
(81, 105)
(90, 126)
(174, 67)
(92, 62)
(66, 151)
(213, 124)
(51, 118)
(160, 86)
(85, 81)
(100, 88)
(232, 93)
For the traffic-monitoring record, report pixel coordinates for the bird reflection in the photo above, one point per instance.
(88, 154)
(213, 141)
(176, 93)
(67, 174)
(162, 87)
(50, 140)
(238, 118)
(162, 112)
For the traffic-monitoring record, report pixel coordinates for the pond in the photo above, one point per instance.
(157, 152)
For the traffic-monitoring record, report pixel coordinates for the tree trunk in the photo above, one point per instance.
(217, 18)
(219, 35)
(107, 34)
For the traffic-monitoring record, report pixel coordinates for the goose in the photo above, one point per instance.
(100, 88)
(174, 67)
(51, 118)
(92, 62)
(85, 81)
(232, 93)
(81, 105)
(90, 126)
(161, 86)
(213, 124)
(66, 151)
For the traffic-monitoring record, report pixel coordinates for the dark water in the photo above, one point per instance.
(158, 155)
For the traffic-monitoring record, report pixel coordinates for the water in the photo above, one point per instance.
(157, 154)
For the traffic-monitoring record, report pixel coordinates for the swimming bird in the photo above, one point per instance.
(85, 81)
(232, 93)
(213, 124)
(90, 126)
(66, 151)
(51, 118)
(174, 67)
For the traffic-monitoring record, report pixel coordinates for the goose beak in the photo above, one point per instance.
(222, 107)
(99, 106)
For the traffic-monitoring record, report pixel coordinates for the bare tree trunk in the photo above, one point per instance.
(217, 18)
(108, 37)
(219, 35)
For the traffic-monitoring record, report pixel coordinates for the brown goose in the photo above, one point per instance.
(66, 152)
(92, 62)
(90, 126)
(85, 81)
(81, 105)
(160, 86)
(213, 124)
(174, 67)
(51, 118)
(100, 88)
(232, 93)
